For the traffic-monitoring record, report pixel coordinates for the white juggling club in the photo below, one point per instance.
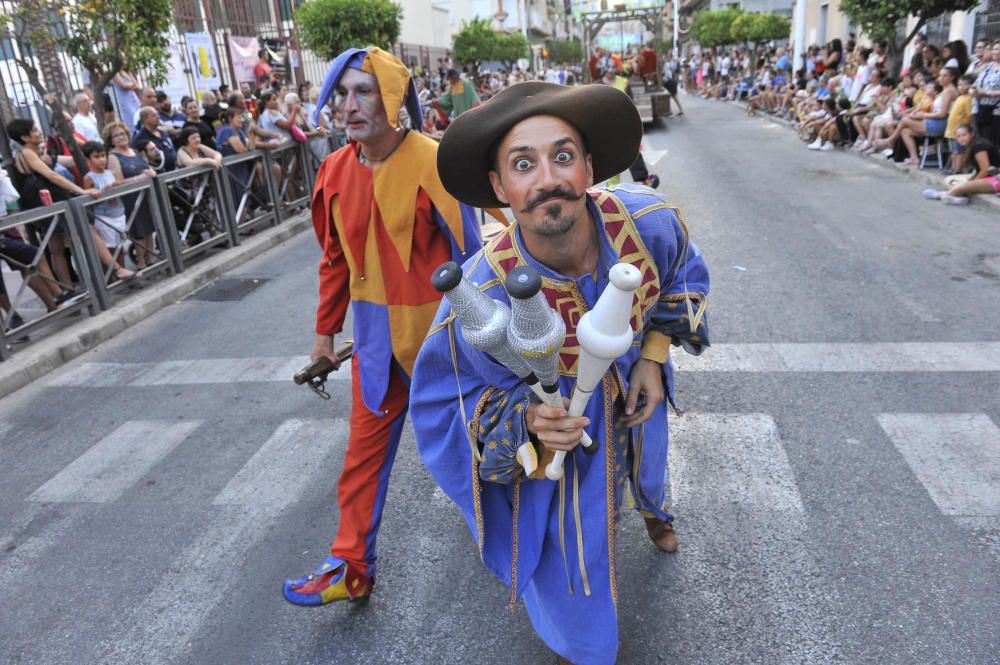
(536, 334)
(604, 333)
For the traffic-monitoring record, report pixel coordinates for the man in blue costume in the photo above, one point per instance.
(539, 147)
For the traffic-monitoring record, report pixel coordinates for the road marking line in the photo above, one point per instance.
(265, 481)
(956, 456)
(158, 627)
(846, 357)
(727, 460)
(110, 467)
(188, 372)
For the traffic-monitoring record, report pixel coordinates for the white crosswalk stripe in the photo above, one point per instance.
(956, 456)
(188, 372)
(878, 357)
(115, 463)
(157, 629)
(730, 481)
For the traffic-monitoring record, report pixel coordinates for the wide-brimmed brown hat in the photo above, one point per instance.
(605, 117)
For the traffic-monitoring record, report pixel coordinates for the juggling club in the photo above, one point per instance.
(536, 334)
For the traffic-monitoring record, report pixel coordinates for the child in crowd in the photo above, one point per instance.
(817, 120)
(960, 114)
(110, 213)
(985, 157)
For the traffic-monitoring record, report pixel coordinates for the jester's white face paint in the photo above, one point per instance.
(359, 98)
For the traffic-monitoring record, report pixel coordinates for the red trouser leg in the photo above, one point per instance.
(364, 482)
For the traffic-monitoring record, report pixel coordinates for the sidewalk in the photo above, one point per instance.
(930, 177)
(43, 356)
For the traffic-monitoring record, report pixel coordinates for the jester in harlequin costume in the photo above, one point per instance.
(384, 221)
(539, 147)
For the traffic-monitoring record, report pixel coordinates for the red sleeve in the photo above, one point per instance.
(334, 273)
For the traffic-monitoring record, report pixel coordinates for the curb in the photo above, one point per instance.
(935, 180)
(52, 352)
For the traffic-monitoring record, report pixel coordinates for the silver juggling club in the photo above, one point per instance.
(484, 327)
(536, 334)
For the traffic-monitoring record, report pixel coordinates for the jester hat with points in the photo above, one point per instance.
(393, 77)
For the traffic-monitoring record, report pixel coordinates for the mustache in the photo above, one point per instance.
(557, 193)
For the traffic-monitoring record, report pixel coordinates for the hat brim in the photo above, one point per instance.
(605, 117)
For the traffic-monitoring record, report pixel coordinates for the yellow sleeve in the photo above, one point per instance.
(655, 346)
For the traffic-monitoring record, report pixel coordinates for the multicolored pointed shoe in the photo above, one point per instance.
(652, 181)
(334, 580)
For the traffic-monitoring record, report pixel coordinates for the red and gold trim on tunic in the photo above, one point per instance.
(504, 255)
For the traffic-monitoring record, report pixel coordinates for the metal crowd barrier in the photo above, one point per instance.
(250, 190)
(42, 225)
(193, 201)
(181, 215)
(142, 215)
(295, 188)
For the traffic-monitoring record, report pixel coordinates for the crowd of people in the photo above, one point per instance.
(944, 111)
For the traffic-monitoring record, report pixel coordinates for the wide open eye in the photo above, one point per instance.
(522, 164)
(564, 157)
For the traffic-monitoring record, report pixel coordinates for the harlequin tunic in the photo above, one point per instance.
(553, 543)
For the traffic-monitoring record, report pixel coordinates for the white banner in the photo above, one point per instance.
(204, 64)
(176, 84)
(243, 55)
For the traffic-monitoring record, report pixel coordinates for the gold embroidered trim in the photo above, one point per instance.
(513, 557)
(609, 463)
(480, 405)
(678, 297)
(648, 209)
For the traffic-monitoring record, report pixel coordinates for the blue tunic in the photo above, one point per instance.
(553, 542)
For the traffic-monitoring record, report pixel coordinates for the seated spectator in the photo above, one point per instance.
(30, 175)
(152, 130)
(193, 119)
(836, 130)
(819, 120)
(985, 157)
(926, 123)
(191, 152)
(17, 253)
(871, 102)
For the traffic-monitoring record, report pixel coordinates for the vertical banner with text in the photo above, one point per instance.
(204, 64)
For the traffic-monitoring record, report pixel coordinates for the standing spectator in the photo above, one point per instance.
(262, 70)
(960, 114)
(272, 119)
(127, 164)
(984, 156)
(147, 97)
(84, 120)
(126, 87)
(977, 57)
(461, 95)
(211, 111)
(150, 129)
(193, 119)
(986, 92)
(109, 216)
(170, 120)
(191, 152)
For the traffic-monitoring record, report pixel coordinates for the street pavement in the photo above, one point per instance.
(835, 478)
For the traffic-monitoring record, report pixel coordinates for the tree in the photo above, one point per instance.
(878, 20)
(714, 28)
(566, 51)
(757, 29)
(508, 48)
(104, 36)
(475, 43)
(328, 27)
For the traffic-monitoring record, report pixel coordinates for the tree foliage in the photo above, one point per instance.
(566, 51)
(878, 19)
(477, 42)
(104, 36)
(714, 28)
(328, 27)
(758, 28)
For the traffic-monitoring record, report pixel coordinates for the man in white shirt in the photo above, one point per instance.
(84, 120)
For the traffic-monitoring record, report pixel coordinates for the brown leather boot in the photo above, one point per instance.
(662, 534)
